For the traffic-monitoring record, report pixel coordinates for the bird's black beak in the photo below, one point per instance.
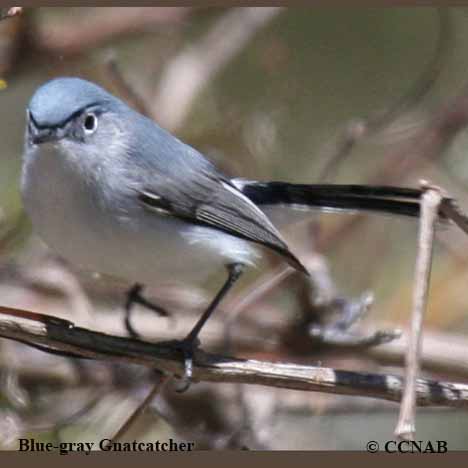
(37, 134)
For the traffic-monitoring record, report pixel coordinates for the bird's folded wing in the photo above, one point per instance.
(216, 203)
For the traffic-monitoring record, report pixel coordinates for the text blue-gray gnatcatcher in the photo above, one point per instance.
(112, 192)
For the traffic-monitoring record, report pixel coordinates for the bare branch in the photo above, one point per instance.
(430, 202)
(51, 333)
(450, 209)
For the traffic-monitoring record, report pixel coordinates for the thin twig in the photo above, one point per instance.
(450, 209)
(157, 387)
(430, 202)
(62, 336)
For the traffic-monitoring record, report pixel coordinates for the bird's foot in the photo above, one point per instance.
(135, 296)
(187, 347)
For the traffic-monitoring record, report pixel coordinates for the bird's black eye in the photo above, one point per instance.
(90, 123)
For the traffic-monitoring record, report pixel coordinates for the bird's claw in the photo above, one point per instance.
(187, 347)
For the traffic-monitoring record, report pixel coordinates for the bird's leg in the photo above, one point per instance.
(234, 271)
(191, 342)
(135, 296)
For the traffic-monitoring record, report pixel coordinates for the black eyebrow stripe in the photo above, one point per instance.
(63, 123)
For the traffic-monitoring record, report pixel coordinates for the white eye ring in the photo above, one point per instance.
(90, 123)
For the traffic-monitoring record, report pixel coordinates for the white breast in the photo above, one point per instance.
(147, 248)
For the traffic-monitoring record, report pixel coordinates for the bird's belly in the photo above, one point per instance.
(141, 246)
(151, 253)
(154, 257)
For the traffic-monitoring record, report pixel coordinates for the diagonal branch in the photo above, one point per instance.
(61, 336)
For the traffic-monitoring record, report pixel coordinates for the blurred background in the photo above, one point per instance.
(304, 95)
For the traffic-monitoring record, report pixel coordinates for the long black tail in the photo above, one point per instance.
(383, 199)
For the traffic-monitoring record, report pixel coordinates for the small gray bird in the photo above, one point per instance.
(112, 192)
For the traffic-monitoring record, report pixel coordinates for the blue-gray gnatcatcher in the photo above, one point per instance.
(111, 191)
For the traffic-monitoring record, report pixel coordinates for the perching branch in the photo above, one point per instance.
(62, 337)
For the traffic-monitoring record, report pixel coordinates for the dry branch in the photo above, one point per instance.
(430, 202)
(62, 337)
